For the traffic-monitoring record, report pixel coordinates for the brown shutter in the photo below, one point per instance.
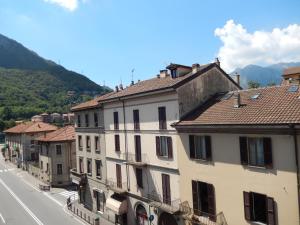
(195, 198)
(271, 211)
(170, 147)
(138, 153)
(162, 118)
(139, 177)
(244, 150)
(157, 138)
(136, 119)
(166, 188)
(211, 202)
(116, 120)
(208, 147)
(117, 143)
(268, 153)
(119, 176)
(247, 205)
(192, 146)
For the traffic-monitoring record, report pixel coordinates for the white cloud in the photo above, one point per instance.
(67, 4)
(241, 48)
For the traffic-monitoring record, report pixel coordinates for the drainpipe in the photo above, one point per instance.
(297, 164)
(126, 143)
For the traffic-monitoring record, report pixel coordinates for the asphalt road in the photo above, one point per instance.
(23, 204)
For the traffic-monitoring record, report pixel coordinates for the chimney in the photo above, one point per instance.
(158, 76)
(163, 73)
(121, 86)
(195, 68)
(132, 83)
(237, 78)
(117, 88)
(237, 100)
(217, 61)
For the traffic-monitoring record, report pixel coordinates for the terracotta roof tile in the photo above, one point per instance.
(90, 104)
(274, 105)
(31, 127)
(66, 133)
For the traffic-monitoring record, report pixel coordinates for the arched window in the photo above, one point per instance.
(166, 219)
(141, 215)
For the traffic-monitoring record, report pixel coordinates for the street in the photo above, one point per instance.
(22, 203)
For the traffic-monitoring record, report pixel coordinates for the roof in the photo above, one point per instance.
(90, 104)
(156, 84)
(66, 133)
(31, 127)
(274, 105)
(291, 70)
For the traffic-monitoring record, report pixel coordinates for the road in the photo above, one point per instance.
(22, 203)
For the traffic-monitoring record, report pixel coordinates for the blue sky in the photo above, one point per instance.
(106, 39)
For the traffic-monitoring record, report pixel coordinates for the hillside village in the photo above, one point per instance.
(189, 146)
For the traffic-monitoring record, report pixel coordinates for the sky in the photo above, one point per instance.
(111, 41)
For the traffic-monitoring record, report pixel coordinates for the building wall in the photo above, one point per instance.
(230, 178)
(200, 89)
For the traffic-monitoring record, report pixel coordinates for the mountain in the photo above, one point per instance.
(263, 75)
(30, 84)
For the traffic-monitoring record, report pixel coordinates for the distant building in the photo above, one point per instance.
(56, 118)
(46, 117)
(37, 118)
(291, 75)
(57, 156)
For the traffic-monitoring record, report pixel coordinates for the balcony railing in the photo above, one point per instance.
(116, 186)
(168, 205)
(199, 217)
(80, 177)
(138, 160)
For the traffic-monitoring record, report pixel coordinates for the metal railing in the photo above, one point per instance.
(113, 184)
(81, 176)
(172, 205)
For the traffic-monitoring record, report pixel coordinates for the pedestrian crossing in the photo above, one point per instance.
(6, 170)
(72, 194)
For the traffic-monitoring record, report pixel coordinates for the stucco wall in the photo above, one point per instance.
(230, 178)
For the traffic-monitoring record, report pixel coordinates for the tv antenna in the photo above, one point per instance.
(132, 71)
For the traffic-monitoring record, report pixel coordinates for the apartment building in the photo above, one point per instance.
(57, 156)
(143, 175)
(90, 170)
(238, 158)
(21, 142)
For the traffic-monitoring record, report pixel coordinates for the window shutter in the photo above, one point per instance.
(157, 145)
(244, 150)
(117, 143)
(170, 147)
(211, 202)
(271, 211)
(268, 153)
(195, 198)
(208, 147)
(192, 146)
(166, 189)
(94, 193)
(247, 206)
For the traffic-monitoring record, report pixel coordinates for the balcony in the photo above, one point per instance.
(198, 217)
(78, 178)
(171, 206)
(133, 159)
(120, 188)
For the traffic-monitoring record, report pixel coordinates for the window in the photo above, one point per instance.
(139, 177)
(117, 143)
(89, 167)
(81, 170)
(80, 142)
(88, 143)
(164, 146)
(58, 149)
(166, 188)
(259, 208)
(59, 169)
(200, 147)
(97, 149)
(256, 151)
(162, 118)
(96, 119)
(116, 120)
(87, 120)
(78, 121)
(99, 200)
(136, 119)
(47, 168)
(204, 199)
(98, 164)
(42, 165)
(138, 150)
(119, 175)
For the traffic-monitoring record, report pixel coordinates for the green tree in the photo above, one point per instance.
(7, 113)
(253, 84)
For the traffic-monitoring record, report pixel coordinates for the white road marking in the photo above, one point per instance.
(21, 203)
(3, 220)
(53, 199)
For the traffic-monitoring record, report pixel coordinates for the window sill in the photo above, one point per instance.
(89, 174)
(99, 177)
(257, 223)
(201, 160)
(100, 212)
(165, 158)
(256, 167)
(88, 149)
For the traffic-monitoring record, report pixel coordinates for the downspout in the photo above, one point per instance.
(297, 164)
(126, 143)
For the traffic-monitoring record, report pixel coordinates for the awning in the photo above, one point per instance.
(118, 207)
